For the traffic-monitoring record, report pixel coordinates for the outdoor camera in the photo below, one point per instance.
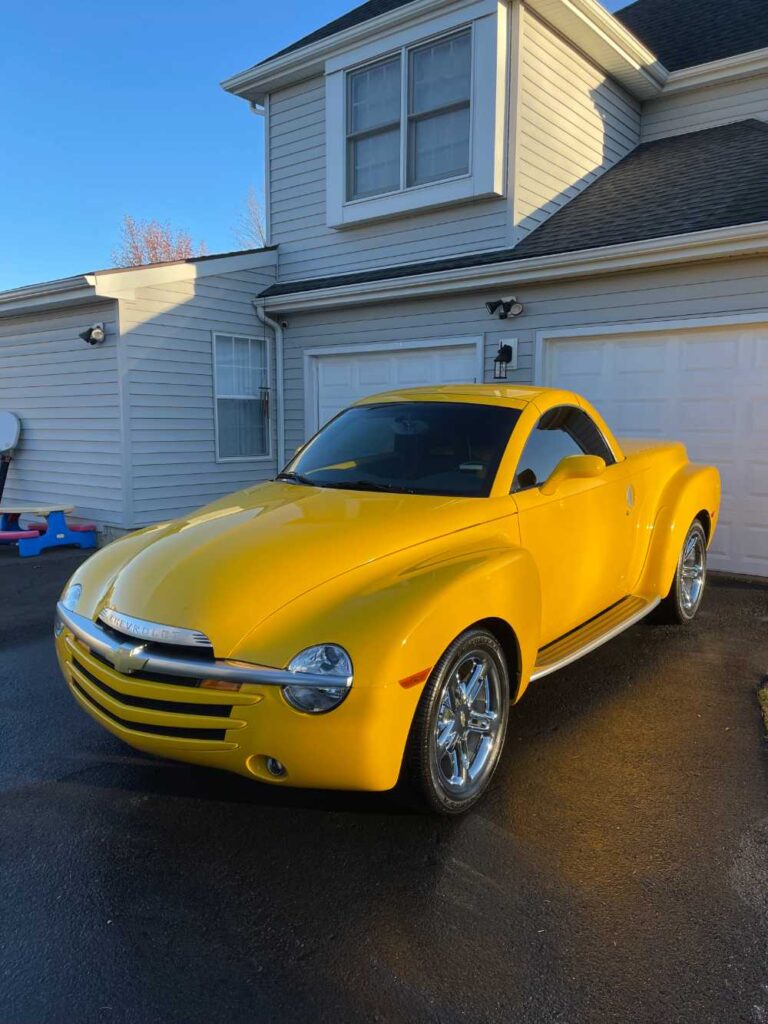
(504, 308)
(94, 335)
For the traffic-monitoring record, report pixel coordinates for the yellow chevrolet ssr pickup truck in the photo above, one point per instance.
(375, 610)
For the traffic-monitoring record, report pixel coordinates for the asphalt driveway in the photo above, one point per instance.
(617, 872)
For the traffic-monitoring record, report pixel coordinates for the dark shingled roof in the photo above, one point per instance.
(710, 179)
(680, 32)
(683, 33)
(364, 12)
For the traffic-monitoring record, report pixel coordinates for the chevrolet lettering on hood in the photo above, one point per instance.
(375, 612)
(153, 631)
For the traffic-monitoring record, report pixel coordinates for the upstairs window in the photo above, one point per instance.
(242, 397)
(408, 118)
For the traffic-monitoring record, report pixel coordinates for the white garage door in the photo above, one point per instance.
(344, 378)
(708, 388)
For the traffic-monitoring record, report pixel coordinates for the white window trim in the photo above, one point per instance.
(313, 355)
(404, 53)
(489, 22)
(220, 460)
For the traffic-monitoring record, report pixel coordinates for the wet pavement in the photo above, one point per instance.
(617, 871)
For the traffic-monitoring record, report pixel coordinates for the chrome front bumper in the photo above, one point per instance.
(128, 658)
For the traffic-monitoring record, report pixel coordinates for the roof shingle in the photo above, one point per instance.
(696, 182)
(683, 33)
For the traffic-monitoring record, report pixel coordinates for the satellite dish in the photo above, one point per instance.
(10, 428)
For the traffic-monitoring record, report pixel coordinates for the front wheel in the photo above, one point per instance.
(460, 724)
(684, 598)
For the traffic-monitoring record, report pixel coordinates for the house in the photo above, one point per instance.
(169, 411)
(426, 159)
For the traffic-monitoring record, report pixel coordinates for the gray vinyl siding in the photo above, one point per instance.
(168, 331)
(706, 108)
(691, 292)
(66, 395)
(574, 123)
(308, 247)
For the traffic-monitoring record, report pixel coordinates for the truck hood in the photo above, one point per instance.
(230, 566)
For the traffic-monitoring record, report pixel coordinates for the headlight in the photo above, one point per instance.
(71, 596)
(325, 660)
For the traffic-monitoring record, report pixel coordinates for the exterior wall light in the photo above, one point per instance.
(505, 308)
(506, 356)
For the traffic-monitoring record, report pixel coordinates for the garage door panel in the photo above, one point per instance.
(757, 415)
(755, 555)
(347, 377)
(707, 388)
(756, 479)
(722, 545)
(374, 373)
(646, 418)
(709, 354)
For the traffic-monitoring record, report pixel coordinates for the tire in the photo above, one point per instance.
(460, 724)
(683, 601)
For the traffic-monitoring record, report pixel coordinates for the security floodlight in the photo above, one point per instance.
(94, 335)
(504, 308)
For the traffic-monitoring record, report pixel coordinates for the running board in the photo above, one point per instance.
(591, 635)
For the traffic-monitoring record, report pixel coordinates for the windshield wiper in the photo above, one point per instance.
(368, 485)
(295, 478)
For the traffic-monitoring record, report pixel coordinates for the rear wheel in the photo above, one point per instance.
(684, 598)
(460, 724)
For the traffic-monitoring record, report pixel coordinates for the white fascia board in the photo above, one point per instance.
(36, 298)
(257, 82)
(124, 282)
(584, 22)
(720, 243)
(742, 65)
(607, 42)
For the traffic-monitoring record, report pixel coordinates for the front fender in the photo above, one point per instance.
(397, 616)
(691, 490)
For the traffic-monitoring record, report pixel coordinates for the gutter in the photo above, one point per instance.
(716, 72)
(719, 243)
(277, 330)
(68, 291)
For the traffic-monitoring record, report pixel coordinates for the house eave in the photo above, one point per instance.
(598, 33)
(729, 69)
(721, 243)
(36, 298)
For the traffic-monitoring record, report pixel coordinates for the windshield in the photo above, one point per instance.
(447, 448)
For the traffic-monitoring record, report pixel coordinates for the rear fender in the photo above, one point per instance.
(692, 489)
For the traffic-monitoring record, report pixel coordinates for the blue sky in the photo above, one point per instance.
(115, 108)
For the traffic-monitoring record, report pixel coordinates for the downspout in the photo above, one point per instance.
(279, 378)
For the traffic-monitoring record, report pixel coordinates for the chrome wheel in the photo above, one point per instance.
(468, 724)
(693, 572)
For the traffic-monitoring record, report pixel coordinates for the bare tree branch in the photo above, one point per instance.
(144, 242)
(250, 230)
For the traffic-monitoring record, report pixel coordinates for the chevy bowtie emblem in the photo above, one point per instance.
(128, 660)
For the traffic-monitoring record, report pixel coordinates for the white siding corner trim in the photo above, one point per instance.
(313, 357)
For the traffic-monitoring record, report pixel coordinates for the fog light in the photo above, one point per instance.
(58, 627)
(274, 767)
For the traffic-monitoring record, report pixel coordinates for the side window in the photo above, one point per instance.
(560, 432)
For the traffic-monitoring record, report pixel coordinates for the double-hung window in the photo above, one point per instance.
(408, 118)
(242, 397)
